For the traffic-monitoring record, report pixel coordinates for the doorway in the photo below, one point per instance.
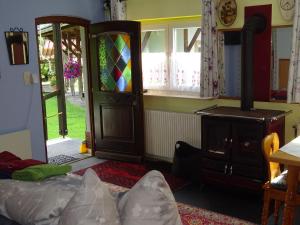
(64, 84)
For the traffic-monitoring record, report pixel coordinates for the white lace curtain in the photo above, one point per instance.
(294, 70)
(115, 10)
(184, 72)
(212, 52)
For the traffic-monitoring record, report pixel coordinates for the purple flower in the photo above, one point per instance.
(72, 69)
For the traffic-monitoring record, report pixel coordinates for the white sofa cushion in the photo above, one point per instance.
(149, 202)
(92, 204)
(37, 203)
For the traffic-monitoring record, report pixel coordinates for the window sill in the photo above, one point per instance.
(175, 94)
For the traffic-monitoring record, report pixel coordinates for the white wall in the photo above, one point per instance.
(20, 105)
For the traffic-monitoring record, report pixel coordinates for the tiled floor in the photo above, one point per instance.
(65, 146)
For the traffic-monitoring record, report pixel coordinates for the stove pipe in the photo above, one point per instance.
(254, 25)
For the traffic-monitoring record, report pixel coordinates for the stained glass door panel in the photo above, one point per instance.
(115, 48)
(115, 62)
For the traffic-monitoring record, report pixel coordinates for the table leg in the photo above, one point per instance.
(290, 199)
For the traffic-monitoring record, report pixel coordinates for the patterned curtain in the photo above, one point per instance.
(294, 70)
(106, 7)
(115, 10)
(212, 52)
(221, 69)
(118, 10)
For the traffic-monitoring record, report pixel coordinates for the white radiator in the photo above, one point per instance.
(163, 129)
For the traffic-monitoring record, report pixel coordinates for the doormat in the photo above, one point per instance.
(127, 174)
(61, 159)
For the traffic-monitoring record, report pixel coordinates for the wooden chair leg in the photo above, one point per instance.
(276, 211)
(266, 206)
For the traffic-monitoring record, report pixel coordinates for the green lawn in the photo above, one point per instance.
(75, 120)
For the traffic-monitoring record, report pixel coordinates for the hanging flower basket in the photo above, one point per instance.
(72, 69)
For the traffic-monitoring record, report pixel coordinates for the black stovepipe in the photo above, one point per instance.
(254, 25)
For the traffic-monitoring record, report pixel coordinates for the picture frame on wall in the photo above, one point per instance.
(287, 9)
(227, 12)
(17, 47)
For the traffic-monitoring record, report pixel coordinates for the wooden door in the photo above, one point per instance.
(117, 90)
(53, 57)
(284, 65)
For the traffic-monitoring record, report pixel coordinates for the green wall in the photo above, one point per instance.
(276, 16)
(145, 9)
(152, 9)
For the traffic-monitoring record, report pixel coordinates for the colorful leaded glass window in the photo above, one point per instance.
(115, 62)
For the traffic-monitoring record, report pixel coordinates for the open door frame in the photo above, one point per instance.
(86, 24)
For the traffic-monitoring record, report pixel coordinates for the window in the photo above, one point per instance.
(155, 59)
(171, 56)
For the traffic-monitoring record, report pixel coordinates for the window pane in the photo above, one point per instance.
(154, 59)
(186, 59)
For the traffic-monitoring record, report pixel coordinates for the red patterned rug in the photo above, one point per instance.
(196, 216)
(127, 174)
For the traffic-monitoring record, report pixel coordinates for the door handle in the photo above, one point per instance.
(246, 144)
(216, 152)
(225, 169)
(226, 140)
(230, 170)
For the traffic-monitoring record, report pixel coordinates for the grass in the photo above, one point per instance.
(75, 120)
